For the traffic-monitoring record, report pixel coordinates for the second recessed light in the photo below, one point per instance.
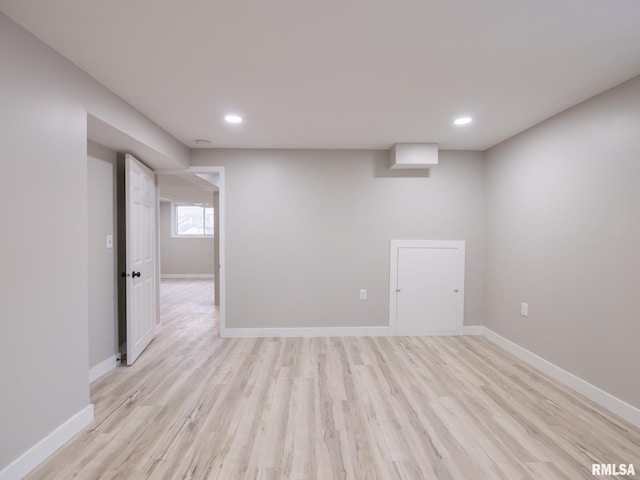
(233, 119)
(463, 121)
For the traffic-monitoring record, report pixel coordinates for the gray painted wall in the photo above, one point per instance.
(183, 255)
(101, 282)
(563, 203)
(44, 337)
(305, 230)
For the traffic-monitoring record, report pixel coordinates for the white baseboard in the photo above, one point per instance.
(418, 333)
(472, 330)
(306, 332)
(330, 332)
(33, 457)
(628, 412)
(103, 368)
(187, 275)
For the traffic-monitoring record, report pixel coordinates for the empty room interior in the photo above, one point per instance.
(320, 240)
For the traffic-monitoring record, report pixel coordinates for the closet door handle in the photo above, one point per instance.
(135, 274)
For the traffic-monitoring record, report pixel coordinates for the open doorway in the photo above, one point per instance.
(189, 233)
(104, 142)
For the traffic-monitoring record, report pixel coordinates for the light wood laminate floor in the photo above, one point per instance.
(195, 406)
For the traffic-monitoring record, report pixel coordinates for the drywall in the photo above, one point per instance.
(101, 281)
(563, 232)
(307, 229)
(44, 352)
(190, 256)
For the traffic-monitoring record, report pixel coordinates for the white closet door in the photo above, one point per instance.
(428, 287)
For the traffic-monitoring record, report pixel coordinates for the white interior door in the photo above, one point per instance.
(141, 277)
(427, 287)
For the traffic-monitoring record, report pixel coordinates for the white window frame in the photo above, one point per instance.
(174, 234)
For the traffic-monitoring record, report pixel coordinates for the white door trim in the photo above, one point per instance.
(395, 245)
(220, 274)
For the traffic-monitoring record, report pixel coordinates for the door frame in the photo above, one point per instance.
(220, 272)
(394, 248)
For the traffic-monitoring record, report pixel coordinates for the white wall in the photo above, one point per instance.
(306, 229)
(44, 354)
(183, 255)
(102, 287)
(563, 203)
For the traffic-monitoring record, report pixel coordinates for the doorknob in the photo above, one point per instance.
(456, 290)
(135, 274)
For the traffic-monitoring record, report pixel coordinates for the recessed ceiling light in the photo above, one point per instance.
(463, 121)
(233, 119)
(202, 142)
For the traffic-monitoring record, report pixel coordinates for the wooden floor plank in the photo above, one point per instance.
(196, 406)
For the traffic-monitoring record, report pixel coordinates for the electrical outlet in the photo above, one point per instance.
(363, 294)
(524, 309)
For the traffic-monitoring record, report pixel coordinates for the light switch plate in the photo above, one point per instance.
(109, 241)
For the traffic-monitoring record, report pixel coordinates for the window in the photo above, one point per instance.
(192, 221)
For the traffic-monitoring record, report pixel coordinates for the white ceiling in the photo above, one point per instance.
(344, 73)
